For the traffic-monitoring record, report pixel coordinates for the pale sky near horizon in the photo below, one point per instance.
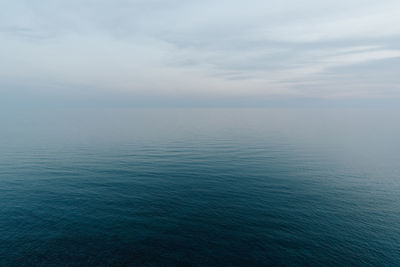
(193, 49)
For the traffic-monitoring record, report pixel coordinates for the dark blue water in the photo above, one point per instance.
(200, 187)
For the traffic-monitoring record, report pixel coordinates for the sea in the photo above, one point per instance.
(200, 187)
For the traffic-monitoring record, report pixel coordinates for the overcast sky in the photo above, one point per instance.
(319, 49)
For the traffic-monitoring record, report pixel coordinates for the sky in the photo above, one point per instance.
(144, 52)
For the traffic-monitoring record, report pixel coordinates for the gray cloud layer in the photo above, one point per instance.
(319, 49)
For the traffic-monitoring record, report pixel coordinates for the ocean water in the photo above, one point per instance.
(200, 187)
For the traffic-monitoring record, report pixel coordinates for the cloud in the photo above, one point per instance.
(235, 48)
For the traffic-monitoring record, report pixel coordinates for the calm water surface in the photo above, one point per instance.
(200, 187)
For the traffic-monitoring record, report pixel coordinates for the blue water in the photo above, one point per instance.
(200, 187)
